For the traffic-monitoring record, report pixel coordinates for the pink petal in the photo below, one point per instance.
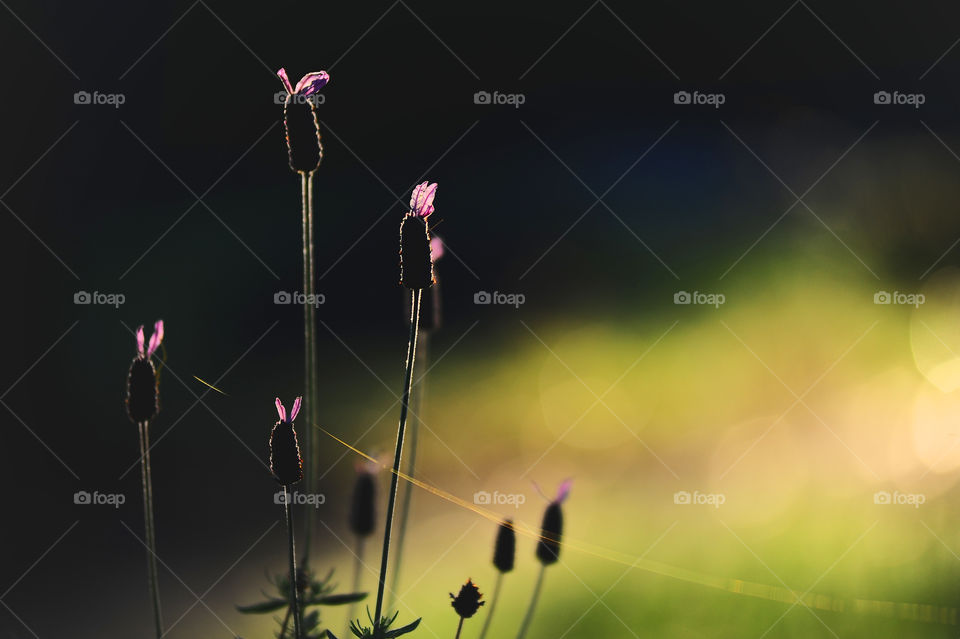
(436, 248)
(295, 409)
(563, 491)
(286, 81)
(156, 338)
(281, 410)
(140, 340)
(415, 196)
(311, 83)
(421, 200)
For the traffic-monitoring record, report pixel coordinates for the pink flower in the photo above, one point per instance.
(421, 200)
(436, 248)
(293, 410)
(308, 84)
(155, 339)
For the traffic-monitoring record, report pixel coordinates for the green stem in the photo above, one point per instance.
(294, 594)
(459, 628)
(419, 388)
(146, 477)
(533, 603)
(493, 605)
(395, 476)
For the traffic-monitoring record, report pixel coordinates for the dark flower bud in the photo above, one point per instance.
(416, 267)
(304, 147)
(505, 548)
(285, 462)
(467, 601)
(363, 508)
(548, 548)
(143, 398)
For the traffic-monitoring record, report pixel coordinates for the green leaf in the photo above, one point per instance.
(336, 600)
(264, 606)
(402, 631)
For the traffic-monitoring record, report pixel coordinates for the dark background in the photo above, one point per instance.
(111, 206)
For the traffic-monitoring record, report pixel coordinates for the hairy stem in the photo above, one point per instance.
(533, 604)
(395, 476)
(294, 591)
(148, 524)
(310, 355)
(493, 605)
(419, 388)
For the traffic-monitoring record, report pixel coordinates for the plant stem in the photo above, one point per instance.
(395, 476)
(533, 603)
(493, 605)
(459, 628)
(357, 572)
(294, 594)
(310, 354)
(419, 388)
(148, 524)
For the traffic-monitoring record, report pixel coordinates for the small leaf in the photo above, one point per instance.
(402, 631)
(264, 606)
(336, 600)
(330, 635)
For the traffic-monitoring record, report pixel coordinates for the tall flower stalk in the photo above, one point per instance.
(287, 468)
(504, 554)
(430, 320)
(305, 152)
(143, 404)
(548, 549)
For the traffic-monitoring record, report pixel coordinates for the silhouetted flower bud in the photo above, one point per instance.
(416, 264)
(505, 548)
(548, 548)
(285, 462)
(467, 601)
(143, 393)
(363, 508)
(304, 147)
(431, 306)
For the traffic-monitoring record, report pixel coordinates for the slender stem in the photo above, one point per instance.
(459, 628)
(493, 605)
(395, 476)
(294, 591)
(148, 524)
(419, 389)
(357, 574)
(309, 353)
(533, 603)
